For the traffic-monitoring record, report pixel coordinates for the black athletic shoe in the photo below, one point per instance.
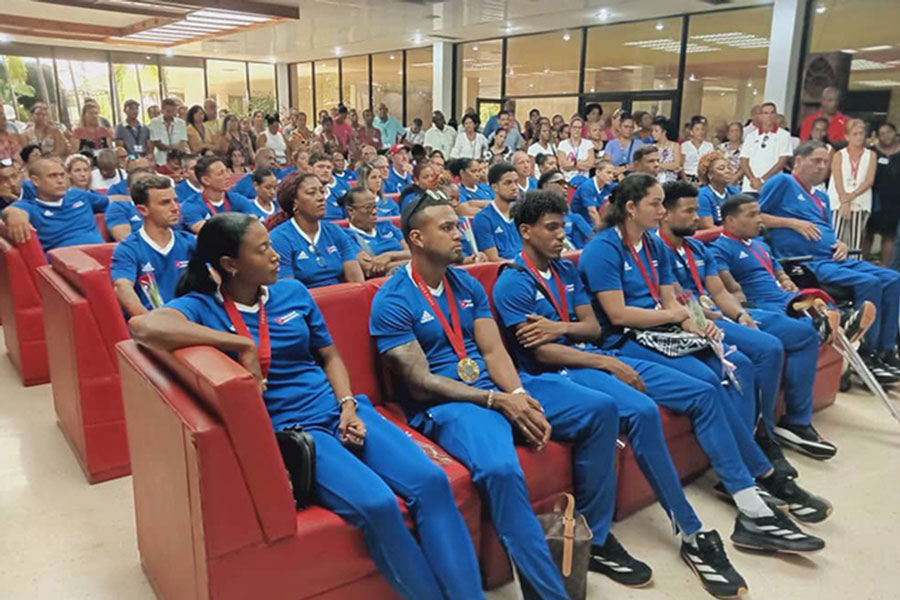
(612, 560)
(802, 505)
(776, 534)
(773, 452)
(856, 322)
(710, 564)
(879, 370)
(770, 500)
(806, 440)
(891, 360)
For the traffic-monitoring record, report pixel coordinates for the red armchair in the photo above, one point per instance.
(83, 323)
(21, 309)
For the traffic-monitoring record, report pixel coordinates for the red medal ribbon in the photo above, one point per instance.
(562, 311)
(854, 167)
(212, 209)
(692, 263)
(652, 282)
(265, 345)
(454, 334)
(763, 257)
(812, 196)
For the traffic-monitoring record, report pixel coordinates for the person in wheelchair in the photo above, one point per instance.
(799, 224)
(771, 339)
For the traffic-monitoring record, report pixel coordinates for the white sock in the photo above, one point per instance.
(690, 539)
(751, 504)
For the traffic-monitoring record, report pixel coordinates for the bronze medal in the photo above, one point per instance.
(468, 370)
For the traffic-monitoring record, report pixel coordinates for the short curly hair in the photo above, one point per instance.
(706, 163)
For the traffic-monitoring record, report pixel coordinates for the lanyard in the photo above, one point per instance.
(652, 282)
(265, 345)
(454, 334)
(763, 257)
(212, 209)
(562, 308)
(812, 196)
(691, 263)
(854, 167)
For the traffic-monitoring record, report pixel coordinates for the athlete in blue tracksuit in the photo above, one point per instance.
(799, 222)
(495, 232)
(462, 390)
(710, 201)
(631, 285)
(362, 461)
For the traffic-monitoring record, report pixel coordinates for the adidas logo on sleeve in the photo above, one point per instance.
(743, 254)
(498, 230)
(427, 317)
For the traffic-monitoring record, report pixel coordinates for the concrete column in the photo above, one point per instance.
(782, 68)
(442, 72)
(282, 89)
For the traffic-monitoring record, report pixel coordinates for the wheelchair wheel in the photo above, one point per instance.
(846, 382)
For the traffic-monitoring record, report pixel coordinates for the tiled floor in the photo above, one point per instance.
(61, 538)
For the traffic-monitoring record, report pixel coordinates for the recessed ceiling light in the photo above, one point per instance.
(750, 84)
(567, 36)
(849, 51)
(821, 9)
(692, 77)
(603, 14)
(546, 70)
(660, 26)
(338, 50)
(169, 52)
(392, 57)
(592, 90)
(475, 48)
(876, 48)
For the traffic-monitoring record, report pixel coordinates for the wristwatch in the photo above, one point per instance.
(348, 399)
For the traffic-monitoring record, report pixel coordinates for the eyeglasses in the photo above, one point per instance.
(320, 260)
(764, 140)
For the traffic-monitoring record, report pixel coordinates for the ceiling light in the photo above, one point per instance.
(603, 15)
(755, 92)
(881, 83)
(750, 84)
(546, 70)
(392, 57)
(692, 77)
(592, 90)
(224, 14)
(272, 60)
(417, 38)
(567, 36)
(338, 50)
(3, 38)
(876, 48)
(660, 26)
(849, 51)
(169, 52)
(475, 48)
(862, 64)
(820, 9)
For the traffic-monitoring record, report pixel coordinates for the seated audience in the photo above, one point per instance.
(493, 226)
(646, 160)
(340, 169)
(400, 175)
(620, 149)
(469, 142)
(524, 170)
(122, 215)
(714, 172)
(425, 178)
(78, 171)
(187, 184)
(369, 177)
(107, 173)
(591, 196)
(321, 166)
(695, 147)
(265, 187)
(380, 246)
(577, 229)
(472, 196)
(10, 182)
(669, 151)
(215, 198)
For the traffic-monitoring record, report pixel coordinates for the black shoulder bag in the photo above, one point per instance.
(298, 450)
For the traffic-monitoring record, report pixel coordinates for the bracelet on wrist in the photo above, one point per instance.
(519, 390)
(346, 399)
(489, 403)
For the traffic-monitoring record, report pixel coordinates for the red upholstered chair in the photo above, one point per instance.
(83, 323)
(215, 515)
(21, 309)
(708, 235)
(100, 219)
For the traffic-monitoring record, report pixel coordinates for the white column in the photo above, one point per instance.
(784, 54)
(442, 70)
(282, 89)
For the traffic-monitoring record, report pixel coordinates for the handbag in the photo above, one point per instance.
(298, 450)
(569, 538)
(670, 340)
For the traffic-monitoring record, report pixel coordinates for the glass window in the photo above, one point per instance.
(387, 82)
(355, 82)
(855, 46)
(181, 82)
(327, 91)
(480, 72)
(547, 63)
(263, 95)
(80, 80)
(25, 80)
(301, 89)
(633, 56)
(566, 106)
(136, 81)
(725, 72)
(227, 82)
(419, 85)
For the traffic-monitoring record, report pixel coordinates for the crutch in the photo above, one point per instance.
(849, 353)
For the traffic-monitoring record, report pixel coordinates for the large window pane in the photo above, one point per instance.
(480, 72)
(547, 63)
(135, 81)
(301, 89)
(227, 81)
(327, 91)
(263, 95)
(858, 43)
(633, 56)
(725, 72)
(565, 106)
(387, 82)
(79, 80)
(25, 80)
(182, 83)
(355, 82)
(419, 85)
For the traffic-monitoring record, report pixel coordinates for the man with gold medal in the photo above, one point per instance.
(432, 323)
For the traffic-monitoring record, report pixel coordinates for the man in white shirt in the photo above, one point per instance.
(765, 150)
(107, 172)
(168, 132)
(414, 133)
(755, 122)
(440, 136)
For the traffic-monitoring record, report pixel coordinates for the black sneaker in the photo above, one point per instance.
(891, 360)
(802, 505)
(612, 560)
(776, 533)
(856, 322)
(770, 500)
(878, 369)
(806, 440)
(710, 564)
(773, 452)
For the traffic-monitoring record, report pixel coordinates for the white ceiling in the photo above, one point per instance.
(363, 26)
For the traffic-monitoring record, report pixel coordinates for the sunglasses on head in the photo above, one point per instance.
(6, 162)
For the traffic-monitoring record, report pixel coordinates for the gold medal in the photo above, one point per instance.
(707, 302)
(468, 370)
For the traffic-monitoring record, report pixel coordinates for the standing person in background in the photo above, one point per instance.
(90, 134)
(273, 139)
(595, 137)
(765, 151)
(593, 113)
(327, 138)
(233, 139)
(514, 140)
(575, 154)
(886, 217)
(42, 132)
(493, 123)
(620, 150)
(695, 148)
(531, 125)
(368, 134)
(390, 128)
(153, 111)
(213, 123)
(414, 134)
(543, 144)
(828, 109)
(439, 136)
(168, 132)
(300, 134)
(731, 148)
(342, 129)
(258, 122)
(469, 143)
(755, 121)
(643, 123)
(196, 129)
(714, 172)
(850, 187)
(669, 151)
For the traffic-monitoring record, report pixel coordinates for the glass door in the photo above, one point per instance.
(662, 103)
(487, 108)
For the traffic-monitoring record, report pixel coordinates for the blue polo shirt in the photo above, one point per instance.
(334, 191)
(317, 262)
(185, 190)
(396, 183)
(29, 191)
(678, 263)
(578, 230)
(590, 194)
(607, 265)
(120, 188)
(153, 270)
(346, 177)
(282, 172)
(245, 187)
(260, 213)
(709, 202)
(400, 314)
(493, 230)
(783, 196)
(516, 296)
(386, 238)
(194, 209)
(69, 222)
(387, 207)
(297, 391)
(532, 185)
(736, 257)
(622, 155)
(123, 212)
(479, 192)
